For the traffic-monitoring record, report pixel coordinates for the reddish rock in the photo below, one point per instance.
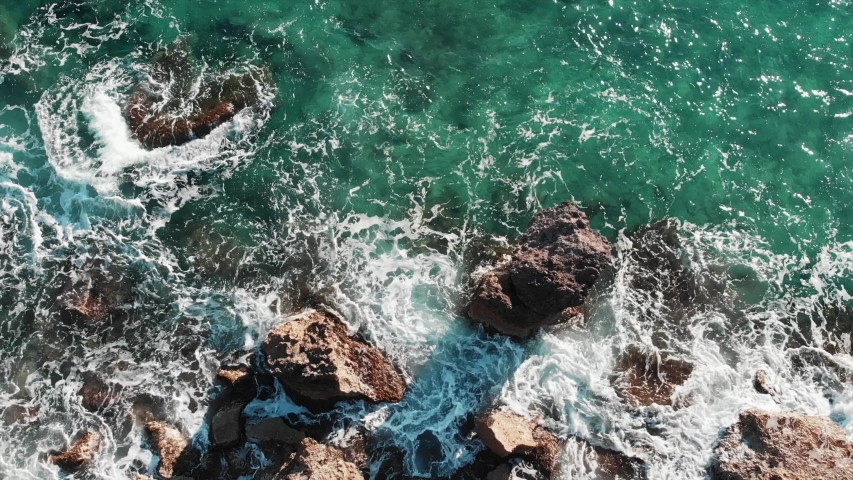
(236, 376)
(95, 393)
(768, 446)
(170, 444)
(613, 465)
(81, 454)
(644, 378)
(319, 364)
(508, 434)
(315, 461)
(548, 276)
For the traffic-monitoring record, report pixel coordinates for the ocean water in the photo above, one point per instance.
(397, 149)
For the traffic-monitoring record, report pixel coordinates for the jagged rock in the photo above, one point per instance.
(226, 427)
(315, 461)
(548, 276)
(274, 430)
(764, 445)
(170, 444)
(319, 364)
(509, 434)
(762, 384)
(95, 393)
(644, 378)
(613, 465)
(98, 292)
(81, 454)
(238, 377)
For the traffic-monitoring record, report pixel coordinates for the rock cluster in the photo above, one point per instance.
(765, 445)
(320, 364)
(548, 276)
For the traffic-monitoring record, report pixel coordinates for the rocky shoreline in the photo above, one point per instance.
(543, 284)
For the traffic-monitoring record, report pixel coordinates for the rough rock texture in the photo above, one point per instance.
(548, 276)
(19, 414)
(81, 453)
(644, 378)
(274, 430)
(613, 465)
(320, 364)
(787, 446)
(169, 443)
(315, 461)
(95, 393)
(762, 383)
(236, 376)
(95, 293)
(508, 434)
(226, 427)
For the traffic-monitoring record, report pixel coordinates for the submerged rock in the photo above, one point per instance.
(95, 393)
(170, 444)
(19, 414)
(548, 276)
(315, 461)
(613, 465)
(96, 293)
(80, 454)
(765, 445)
(644, 378)
(509, 434)
(320, 364)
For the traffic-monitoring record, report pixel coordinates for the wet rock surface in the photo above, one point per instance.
(80, 454)
(226, 429)
(762, 384)
(766, 445)
(171, 445)
(274, 430)
(95, 394)
(320, 364)
(315, 461)
(508, 434)
(643, 378)
(548, 276)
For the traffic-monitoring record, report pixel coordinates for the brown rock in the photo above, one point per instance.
(508, 434)
(81, 454)
(787, 446)
(548, 277)
(274, 430)
(170, 444)
(613, 465)
(644, 378)
(315, 461)
(95, 393)
(762, 384)
(19, 414)
(320, 364)
(236, 376)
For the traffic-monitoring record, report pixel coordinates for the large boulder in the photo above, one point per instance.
(80, 454)
(320, 364)
(548, 276)
(315, 461)
(510, 435)
(274, 430)
(643, 378)
(765, 445)
(226, 426)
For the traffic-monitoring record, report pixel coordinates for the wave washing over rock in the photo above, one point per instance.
(475, 240)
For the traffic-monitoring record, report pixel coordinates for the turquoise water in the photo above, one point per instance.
(398, 147)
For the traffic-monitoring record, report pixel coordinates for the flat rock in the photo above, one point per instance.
(274, 430)
(548, 276)
(226, 427)
(320, 364)
(80, 454)
(315, 461)
(643, 378)
(788, 446)
(509, 434)
(170, 444)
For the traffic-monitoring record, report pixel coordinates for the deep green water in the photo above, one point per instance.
(401, 143)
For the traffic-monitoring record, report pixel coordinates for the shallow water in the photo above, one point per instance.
(396, 151)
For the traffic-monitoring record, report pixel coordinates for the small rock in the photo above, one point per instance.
(19, 414)
(170, 444)
(95, 393)
(644, 378)
(238, 377)
(320, 364)
(547, 278)
(762, 384)
(764, 445)
(226, 428)
(274, 430)
(315, 461)
(81, 454)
